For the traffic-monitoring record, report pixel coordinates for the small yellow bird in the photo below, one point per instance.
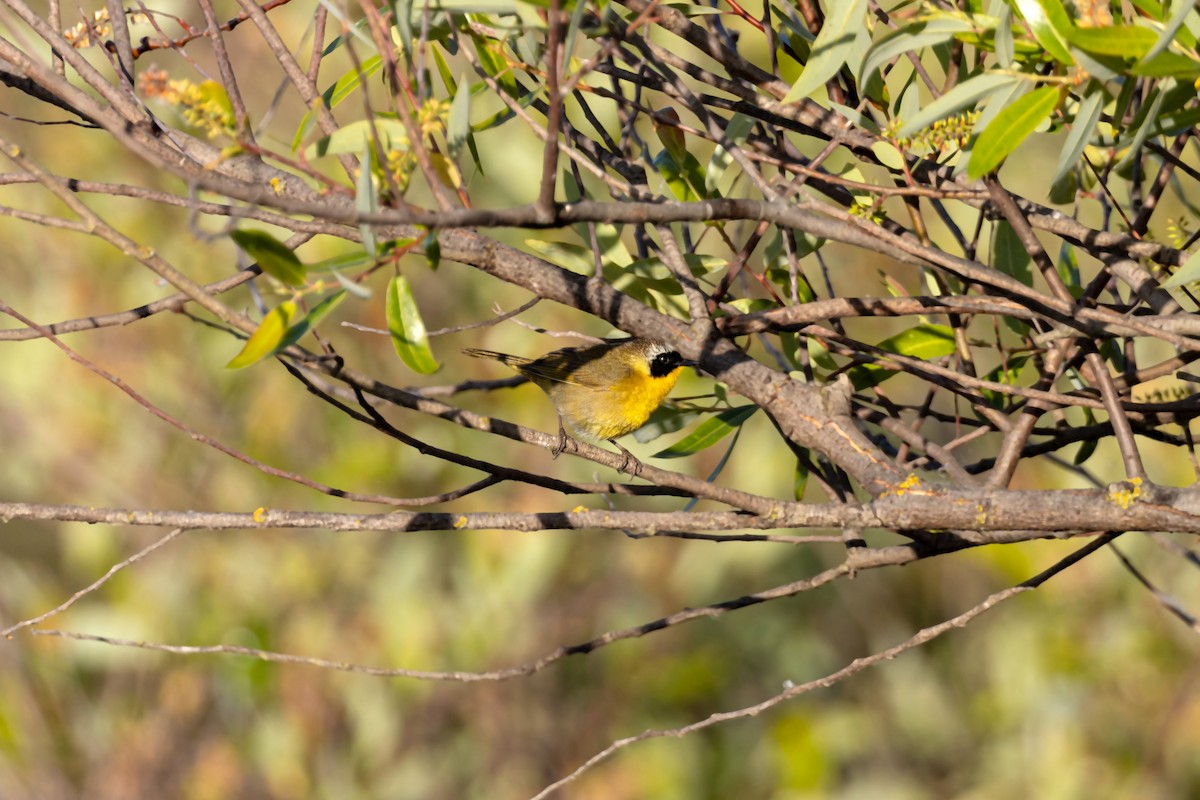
(603, 391)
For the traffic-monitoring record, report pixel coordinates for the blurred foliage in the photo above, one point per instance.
(1083, 689)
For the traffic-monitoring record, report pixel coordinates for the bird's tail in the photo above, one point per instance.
(516, 362)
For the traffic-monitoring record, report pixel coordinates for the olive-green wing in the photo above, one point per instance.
(570, 365)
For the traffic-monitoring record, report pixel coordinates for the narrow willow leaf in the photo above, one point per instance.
(1149, 120)
(1179, 12)
(1188, 272)
(1050, 25)
(916, 36)
(1009, 129)
(311, 320)
(356, 289)
(709, 432)
(459, 125)
(266, 337)
(999, 101)
(342, 88)
(967, 93)
(402, 14)
(272, 256)
(832, 48)
(1168, 65)
(354, 137)
(1081, 132)
(736, 131)
(1126, 41)
(1009, 255)
(365, 200)
(665, 420)
(408, 329)
(1005, 47)
(923, 342)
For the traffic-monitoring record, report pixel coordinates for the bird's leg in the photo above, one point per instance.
(562, 439)
(630, 460)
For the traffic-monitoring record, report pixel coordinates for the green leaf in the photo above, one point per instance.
(967, 93)
(1086, 118)
(366, 200)
(1179, 12)
(1050, 25)
(266, 337)
(923, 341)
(1188, 272)
(1009, 255)
(433, 249)
(1005, 373)
(1068, 268)
(408, 329)
(313, 318)
(272, 256)
(709, 432)
(1011, 127)
(1168, 65)
(1126, 41)
(354, 137)
(832, 48)
(800, 479)
(736, 131)
(665, 419)
(1149, 120)
(915, 36)
(1005, 47)
(996, 103)
(342, 88)
(402, 13)
(458, 128)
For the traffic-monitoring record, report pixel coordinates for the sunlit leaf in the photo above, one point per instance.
(833, 47)
(709, 432)
(736, 131)
(459, 125)
(1050, 25)
(272, 256)
(1168, 65)
(1010, 128)
(923, 342)
(1179, 12)
(1188, 272)
(310, 320)
(966, 94)
(1148, 122)
(1126, 41)
(915, 36)
(407, 329)
(356, 136)
(664, 420)
(366, 200)
(266, 337)
(1081, 131)
(342, 88)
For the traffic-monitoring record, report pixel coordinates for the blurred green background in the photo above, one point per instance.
(1086, 688)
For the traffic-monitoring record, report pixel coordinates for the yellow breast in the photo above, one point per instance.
(621, 408)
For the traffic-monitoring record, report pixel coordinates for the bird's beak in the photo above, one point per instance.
(692, 364)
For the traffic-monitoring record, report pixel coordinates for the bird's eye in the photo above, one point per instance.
(664, 364)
